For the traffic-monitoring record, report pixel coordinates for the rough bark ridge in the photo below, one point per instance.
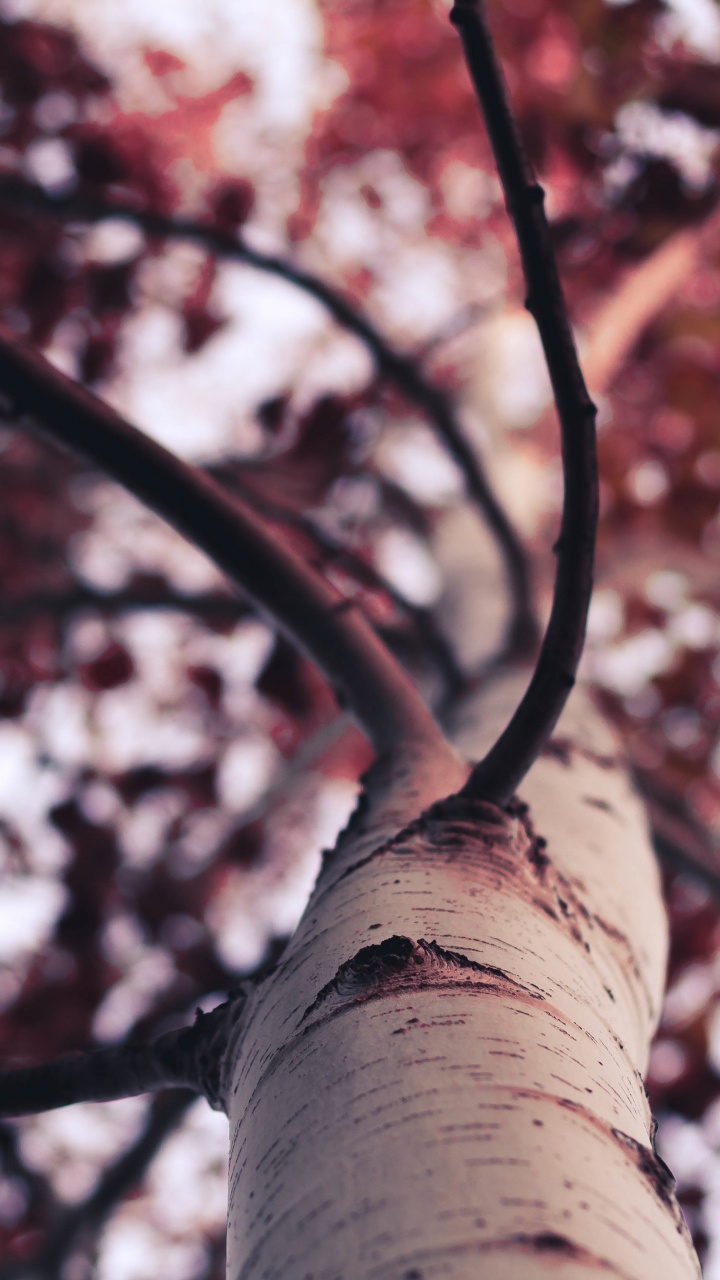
(461, 1024)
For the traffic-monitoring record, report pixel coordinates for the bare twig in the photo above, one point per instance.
(79, 1226)
(359, 667)
(437, 646)
(400, 369)
(205, 604)
(505, 765)
(188, 1059)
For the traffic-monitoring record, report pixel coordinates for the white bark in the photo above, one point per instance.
(443, 1078)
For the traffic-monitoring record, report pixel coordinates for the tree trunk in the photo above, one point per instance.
(443, 1077)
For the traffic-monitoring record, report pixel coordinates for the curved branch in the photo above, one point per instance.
(497, 776)
(400, 369)
(359, 667)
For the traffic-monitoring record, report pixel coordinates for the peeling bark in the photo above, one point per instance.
(443, 1076)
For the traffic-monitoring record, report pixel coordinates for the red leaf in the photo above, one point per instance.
(207, 679)
(161, 63)
(111, 668)
(199, 326)
(232, 203)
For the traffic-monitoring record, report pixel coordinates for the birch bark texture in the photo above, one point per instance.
(443, 1077)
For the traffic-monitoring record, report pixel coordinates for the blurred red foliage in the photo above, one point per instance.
(570, 70)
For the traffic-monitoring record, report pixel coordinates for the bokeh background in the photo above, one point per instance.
(169, 768)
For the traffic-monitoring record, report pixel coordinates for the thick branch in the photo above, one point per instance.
(400, 369)
(505, 765)
(187, 1059)
(361, 670)
(81, 1223)
(99, 1076)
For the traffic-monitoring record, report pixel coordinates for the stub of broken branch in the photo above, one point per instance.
(503, 768)
(188, 1058)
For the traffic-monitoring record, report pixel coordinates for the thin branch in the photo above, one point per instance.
(400, 369)
(215, 605)
(431, 637)
(205, 604)
(497, 776)
(80, 1225)
(360, 669)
